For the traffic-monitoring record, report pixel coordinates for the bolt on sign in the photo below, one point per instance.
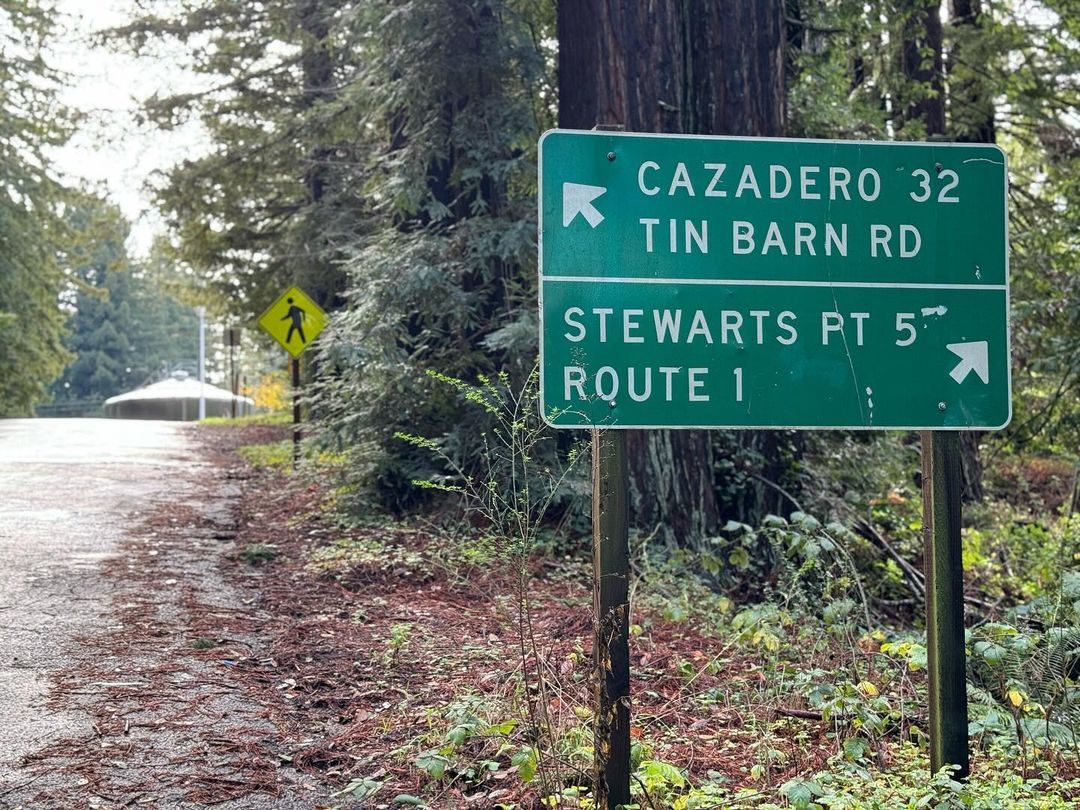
(293, 320)
(696, 281)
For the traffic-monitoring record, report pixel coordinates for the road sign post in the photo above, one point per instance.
(944, 576)
(611, 611)
(202, 361)
(294, 321)
(232, 341)
(294, 365)
(708, 282)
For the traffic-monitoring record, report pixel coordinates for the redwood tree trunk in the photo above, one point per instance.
(971, 99)
(921, 65)
(921, 59)
(314, 271)
(690, 66)
(972, 121)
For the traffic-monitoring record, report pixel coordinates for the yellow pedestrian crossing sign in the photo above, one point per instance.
(294, 320)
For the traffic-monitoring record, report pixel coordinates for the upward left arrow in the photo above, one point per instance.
(578, 199)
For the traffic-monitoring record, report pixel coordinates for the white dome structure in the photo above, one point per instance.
(176, 399)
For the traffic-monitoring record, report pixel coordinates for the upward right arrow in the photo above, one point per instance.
(974, 356)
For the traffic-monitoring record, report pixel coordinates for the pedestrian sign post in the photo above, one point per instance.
(293, 320)
(694, 281)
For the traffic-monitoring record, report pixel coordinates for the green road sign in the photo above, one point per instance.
(690, 281)
(293, 320)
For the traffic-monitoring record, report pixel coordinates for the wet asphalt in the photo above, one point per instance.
(69, 488)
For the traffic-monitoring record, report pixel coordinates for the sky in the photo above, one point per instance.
(111, 150)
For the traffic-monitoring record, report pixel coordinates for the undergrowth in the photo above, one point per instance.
(786, 652)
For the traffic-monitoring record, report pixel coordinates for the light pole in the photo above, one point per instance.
(202, 362)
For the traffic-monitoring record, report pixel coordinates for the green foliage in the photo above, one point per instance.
(514, 477)
(268, 205)
(839, 67)
(905, 785)
(277, 455)
(258, 553)
(271, 418)
(1023, 674)
(445, 278)
(473, 746)
(31, 228)
(396, 642)
(124, 330)
(1039, 128)
(1014, 556)
(808, 566)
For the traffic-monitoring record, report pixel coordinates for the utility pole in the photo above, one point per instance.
(202, 362)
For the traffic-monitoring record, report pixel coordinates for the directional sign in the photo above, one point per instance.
(293, 320)
(748, 282)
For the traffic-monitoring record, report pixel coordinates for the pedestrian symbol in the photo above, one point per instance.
(293, 320)
(296, 315)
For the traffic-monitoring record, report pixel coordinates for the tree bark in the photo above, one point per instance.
(971, 121)
(971, 101)
(314, 272)
(921, 32)
(684, 66)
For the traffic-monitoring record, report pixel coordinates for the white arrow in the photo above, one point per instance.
(973, 357)
(577, 199)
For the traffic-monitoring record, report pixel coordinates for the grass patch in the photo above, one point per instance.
(258, 553)
(275, 454)
(282, 417)
(371, 555)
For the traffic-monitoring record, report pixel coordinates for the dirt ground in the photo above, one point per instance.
(260, 654)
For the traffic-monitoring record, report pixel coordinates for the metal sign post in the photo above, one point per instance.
(611, 609)
(202, 362)
(944, 573)
(232, 340)
(294, 321)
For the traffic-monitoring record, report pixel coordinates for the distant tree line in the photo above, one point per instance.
(124, 328)
(31, 226)
(78, 320)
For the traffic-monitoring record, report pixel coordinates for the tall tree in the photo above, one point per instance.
(31, 353)
(1037, 123)
(268, 204)
(921, 95)
(688, 67)
(124, 329)
(971, 92)
(971, 119)
(442, 267)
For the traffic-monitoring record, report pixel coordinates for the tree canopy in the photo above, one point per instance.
(125, 329)
(31, 229)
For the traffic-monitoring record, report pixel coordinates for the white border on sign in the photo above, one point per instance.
(745, 139)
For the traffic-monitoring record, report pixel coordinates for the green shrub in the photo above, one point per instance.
(277, 455)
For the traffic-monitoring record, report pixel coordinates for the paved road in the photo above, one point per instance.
(68, 488)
